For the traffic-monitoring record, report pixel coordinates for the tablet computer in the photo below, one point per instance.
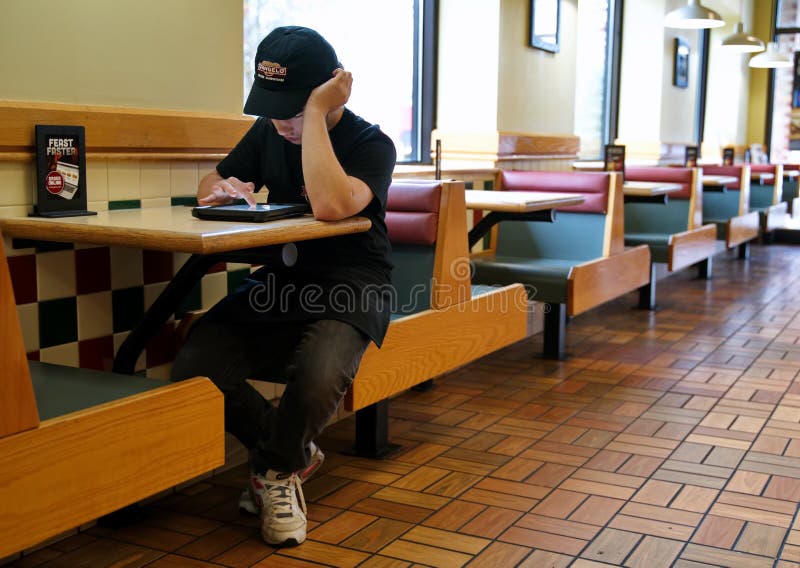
(244, 213)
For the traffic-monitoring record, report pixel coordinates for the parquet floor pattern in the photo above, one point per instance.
(666, 439)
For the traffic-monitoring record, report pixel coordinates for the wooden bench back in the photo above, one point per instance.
(17, 403)
(683, 210)
(581, 232)
(426, 223)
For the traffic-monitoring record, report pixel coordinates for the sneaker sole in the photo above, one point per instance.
(289, 542)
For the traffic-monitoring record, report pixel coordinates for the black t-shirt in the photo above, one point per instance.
(346, 278)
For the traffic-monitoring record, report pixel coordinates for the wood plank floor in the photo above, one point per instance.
(666, 439)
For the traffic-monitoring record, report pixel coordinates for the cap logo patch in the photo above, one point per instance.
(271, 71)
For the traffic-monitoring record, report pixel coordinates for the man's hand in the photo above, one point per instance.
(332, 94)
(219, 191)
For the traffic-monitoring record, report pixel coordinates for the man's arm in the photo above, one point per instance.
(332, 193)
(216, 190)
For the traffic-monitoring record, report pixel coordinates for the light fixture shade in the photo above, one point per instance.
(693, 16)
(771, 58)
(741, 42)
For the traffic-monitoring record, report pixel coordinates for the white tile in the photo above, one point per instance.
(11, 251)
(156, 202)
(97, 205)
(55, 274)
(66, 354)
(15, 210)
(97, 180)
(159, 373)
(123, 181)
(213, 288)
(17, 183)
(126, 267)
(266, 389)
(94, 315)
(178, 260)
(29, 322)
(183, 178)
(151, 292)
(155, 180)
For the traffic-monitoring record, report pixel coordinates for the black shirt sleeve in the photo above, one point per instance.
(373, 163)
(243, 162)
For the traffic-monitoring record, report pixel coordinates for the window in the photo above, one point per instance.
(388, 46)
(783, 128)
(597, 69)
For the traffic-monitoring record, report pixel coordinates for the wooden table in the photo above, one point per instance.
(174, 229)
(762, 178)
(717, 183)
(515, 206)
(648, 191)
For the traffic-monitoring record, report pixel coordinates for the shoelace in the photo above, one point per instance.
(280, 497)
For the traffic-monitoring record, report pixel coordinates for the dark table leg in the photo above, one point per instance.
(492, 218)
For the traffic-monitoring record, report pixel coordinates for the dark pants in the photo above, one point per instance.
(317, 360)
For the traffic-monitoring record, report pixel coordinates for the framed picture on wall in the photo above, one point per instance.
(544, 24)
(680, 72)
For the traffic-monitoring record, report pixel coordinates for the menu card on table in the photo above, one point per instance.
(690, 156)
(727, 156)
(614, 160)
(60, 171)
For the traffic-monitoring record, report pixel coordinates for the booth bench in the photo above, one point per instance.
(672, 228)
(766, 197)
(729, 208)
(572, 264)
(77, 444)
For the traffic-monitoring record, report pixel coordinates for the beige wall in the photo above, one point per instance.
(757, 109)
(678, 105)
(172, 54)
(536, 88)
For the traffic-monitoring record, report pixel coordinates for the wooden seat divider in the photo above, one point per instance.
(573, 264)
(440, 321)
(729, 209)
(78, 444)
(673, 230)
(766, 197)
(790, 188)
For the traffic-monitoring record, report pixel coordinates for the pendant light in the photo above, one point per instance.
(693, 16)
(741, 42)
(771, 58)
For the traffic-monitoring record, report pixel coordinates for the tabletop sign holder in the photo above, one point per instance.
(727, 156)
(690, 155)
(614, 160)
(60, 172)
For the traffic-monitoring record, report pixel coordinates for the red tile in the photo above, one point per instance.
(156, 266)
(163, 347)
(96, 353)
(92, 270)
(23, 278)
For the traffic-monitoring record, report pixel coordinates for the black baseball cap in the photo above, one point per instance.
(290, 62)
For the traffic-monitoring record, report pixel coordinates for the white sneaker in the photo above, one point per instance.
(279, 496)
(248, 505)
